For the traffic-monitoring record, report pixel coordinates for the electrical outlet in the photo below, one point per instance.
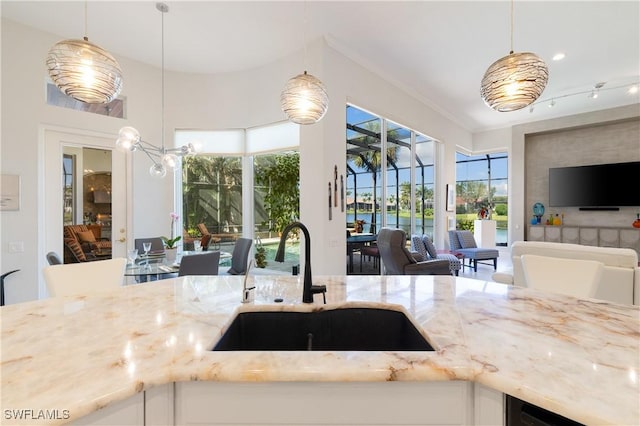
(16, 247)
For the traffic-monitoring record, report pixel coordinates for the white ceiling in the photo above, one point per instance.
(435, 50)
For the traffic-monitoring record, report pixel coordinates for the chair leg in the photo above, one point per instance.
(495, 263)
(475, 265)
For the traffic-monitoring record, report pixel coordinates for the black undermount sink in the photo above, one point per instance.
(341, 329)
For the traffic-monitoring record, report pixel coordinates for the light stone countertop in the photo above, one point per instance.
(575, 357)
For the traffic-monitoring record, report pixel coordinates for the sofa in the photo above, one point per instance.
(620, 281)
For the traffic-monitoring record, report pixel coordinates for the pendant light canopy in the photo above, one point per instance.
(514, 81)
(304, 99)
(84, 70)
(129, 138)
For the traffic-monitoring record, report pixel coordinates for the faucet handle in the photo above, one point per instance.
(247, 293)
(315, 289)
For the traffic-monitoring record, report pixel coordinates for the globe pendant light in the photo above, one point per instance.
(514, 81)
(304, 99)
(129, 138)
(84, 70)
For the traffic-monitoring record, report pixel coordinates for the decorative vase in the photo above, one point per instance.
(636, 223)
(170, 254)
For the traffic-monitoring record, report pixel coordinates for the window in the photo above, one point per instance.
(482, 181)
(409, 175)
(68, 176)
(55, 97)
(212, 194)
(230, 188)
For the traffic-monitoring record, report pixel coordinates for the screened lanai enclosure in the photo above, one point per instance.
(390, 175)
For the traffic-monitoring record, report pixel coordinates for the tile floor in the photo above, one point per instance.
(484, 270)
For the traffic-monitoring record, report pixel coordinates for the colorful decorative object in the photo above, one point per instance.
(636, 223)
(538, 209)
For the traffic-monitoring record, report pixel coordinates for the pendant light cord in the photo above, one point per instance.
(304, 33)
(162, 78)
(86, 38)
(511, 52)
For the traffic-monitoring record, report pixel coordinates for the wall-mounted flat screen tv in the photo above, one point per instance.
(598, 185)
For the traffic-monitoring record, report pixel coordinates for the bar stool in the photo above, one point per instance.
(2, 277)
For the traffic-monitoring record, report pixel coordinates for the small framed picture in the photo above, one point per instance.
(10, 192)
(451, 198)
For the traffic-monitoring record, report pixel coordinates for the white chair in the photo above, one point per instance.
(572, 277)
(84, 278)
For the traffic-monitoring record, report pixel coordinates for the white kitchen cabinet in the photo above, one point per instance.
(352, 403)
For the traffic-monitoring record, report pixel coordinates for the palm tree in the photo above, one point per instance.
(212, 188)
(371, 160)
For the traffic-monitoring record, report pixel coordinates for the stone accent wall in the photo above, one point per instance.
(613, 142)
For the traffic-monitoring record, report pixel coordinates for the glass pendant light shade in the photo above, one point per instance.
(304, 99)
(157, 170)
(514, 81)
(84, 71)
(169, 160)
(128, 139)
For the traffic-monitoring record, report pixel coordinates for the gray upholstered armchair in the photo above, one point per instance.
(398, 260)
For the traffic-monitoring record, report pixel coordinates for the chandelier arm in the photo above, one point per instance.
(150, 154)
(148, 146)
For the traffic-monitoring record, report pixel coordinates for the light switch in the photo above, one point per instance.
(16, 247)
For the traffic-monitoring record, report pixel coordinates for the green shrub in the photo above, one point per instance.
(501, 209)
(464, 225)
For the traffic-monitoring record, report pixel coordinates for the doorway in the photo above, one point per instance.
(54, 195)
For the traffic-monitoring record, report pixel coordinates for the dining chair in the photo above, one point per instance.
(200, 264)
(157, 246)
(86, 277)
(572, 277)
(240, 256)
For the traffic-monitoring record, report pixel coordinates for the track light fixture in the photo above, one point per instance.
(594, 93)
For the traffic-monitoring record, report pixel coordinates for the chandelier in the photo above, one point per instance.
(84, 70)
(514, 81)
(129, 138)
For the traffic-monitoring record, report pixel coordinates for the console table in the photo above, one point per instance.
(587, 235)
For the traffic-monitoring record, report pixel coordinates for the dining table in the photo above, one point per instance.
(356, 241)
(155, 267)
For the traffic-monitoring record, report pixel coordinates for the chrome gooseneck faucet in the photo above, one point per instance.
(308, 289)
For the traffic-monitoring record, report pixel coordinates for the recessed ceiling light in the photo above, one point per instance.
(633, 90)
(558, 56)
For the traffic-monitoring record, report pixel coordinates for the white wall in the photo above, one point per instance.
(25, 113)
(238, 100)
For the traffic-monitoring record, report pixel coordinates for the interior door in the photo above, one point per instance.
(51, 212)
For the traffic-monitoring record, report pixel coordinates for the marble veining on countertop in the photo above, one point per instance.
(579, 358)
